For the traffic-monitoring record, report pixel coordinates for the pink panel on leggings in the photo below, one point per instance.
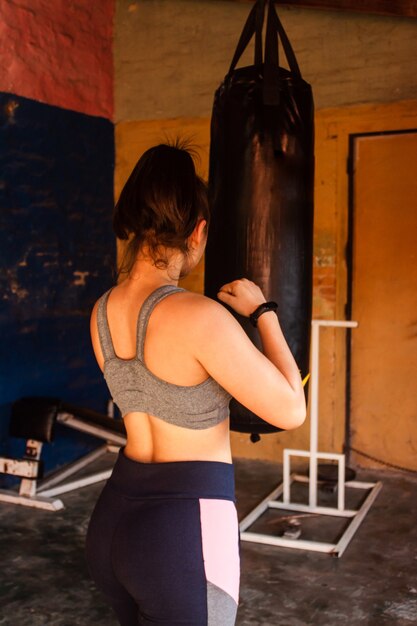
(220, 538)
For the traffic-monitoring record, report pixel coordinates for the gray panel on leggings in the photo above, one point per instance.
(221, 607)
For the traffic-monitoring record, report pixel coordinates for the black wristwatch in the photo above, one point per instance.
(262, 308)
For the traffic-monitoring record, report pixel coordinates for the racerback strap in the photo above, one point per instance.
(156, 296)
(106, 342)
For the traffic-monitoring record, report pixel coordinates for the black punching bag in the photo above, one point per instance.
(261, 183)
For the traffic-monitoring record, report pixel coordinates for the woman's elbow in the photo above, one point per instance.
(293, 418)
(298, 418)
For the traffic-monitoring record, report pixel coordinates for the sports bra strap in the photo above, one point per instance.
(158, 294)
(103, 327)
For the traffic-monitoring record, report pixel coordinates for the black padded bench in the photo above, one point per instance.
(34, 419)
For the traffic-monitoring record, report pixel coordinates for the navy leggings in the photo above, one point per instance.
(163, 543)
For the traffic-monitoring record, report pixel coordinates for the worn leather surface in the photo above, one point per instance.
(261, 174)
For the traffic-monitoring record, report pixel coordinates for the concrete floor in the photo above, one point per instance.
(45, 582)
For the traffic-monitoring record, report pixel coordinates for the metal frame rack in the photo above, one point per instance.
(273, 499)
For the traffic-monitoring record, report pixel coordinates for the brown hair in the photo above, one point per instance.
(161, 203)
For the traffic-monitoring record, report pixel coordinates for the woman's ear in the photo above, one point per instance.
(201, 226)
(198, 235)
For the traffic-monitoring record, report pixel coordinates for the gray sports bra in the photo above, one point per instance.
(135, 388)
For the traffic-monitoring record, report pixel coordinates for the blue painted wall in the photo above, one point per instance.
(57, 256)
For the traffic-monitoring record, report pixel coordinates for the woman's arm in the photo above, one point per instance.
(268, 384)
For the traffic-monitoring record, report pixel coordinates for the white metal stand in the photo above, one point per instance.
(272, 499)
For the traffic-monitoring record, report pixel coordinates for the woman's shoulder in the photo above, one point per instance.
(204, 316)
(205, 306)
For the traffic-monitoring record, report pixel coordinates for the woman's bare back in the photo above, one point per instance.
(169, 354)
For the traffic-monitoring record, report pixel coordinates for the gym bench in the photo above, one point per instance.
(34, 419)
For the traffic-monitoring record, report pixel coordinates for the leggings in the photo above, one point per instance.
(163, 543)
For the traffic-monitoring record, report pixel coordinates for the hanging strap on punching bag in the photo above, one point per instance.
(254, 25)
(274, 27)
(250, 27)
(271, 65)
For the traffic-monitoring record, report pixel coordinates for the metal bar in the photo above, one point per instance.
(71, 469)
(103, 433)
(33, 451)
(37, 502)
(303, 453)
(334, 456)
(356, 516)
(27, 488)
(296, 477)
(337, 323)
(287, 478)
(314, 405)
(354, 484)
(341, 474)
(22, 468)
(357, 520)
(260, 508)
(77, 484)
(321, 510)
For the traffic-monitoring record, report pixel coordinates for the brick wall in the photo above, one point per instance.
(59, 53)
(57, 249)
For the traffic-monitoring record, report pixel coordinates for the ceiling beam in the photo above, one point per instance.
(404, 8)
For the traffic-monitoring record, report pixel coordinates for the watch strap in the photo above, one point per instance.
(262, 308)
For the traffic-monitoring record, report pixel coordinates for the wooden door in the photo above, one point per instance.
(383, 411)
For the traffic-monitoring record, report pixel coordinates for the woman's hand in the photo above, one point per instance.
(243, 295)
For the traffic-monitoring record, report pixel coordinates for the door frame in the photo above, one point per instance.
(352, 138)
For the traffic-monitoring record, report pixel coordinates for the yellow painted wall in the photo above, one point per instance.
(333, 127)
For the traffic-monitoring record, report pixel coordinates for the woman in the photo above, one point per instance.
(163, 541)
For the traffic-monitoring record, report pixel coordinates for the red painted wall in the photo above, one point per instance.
(59, 53)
